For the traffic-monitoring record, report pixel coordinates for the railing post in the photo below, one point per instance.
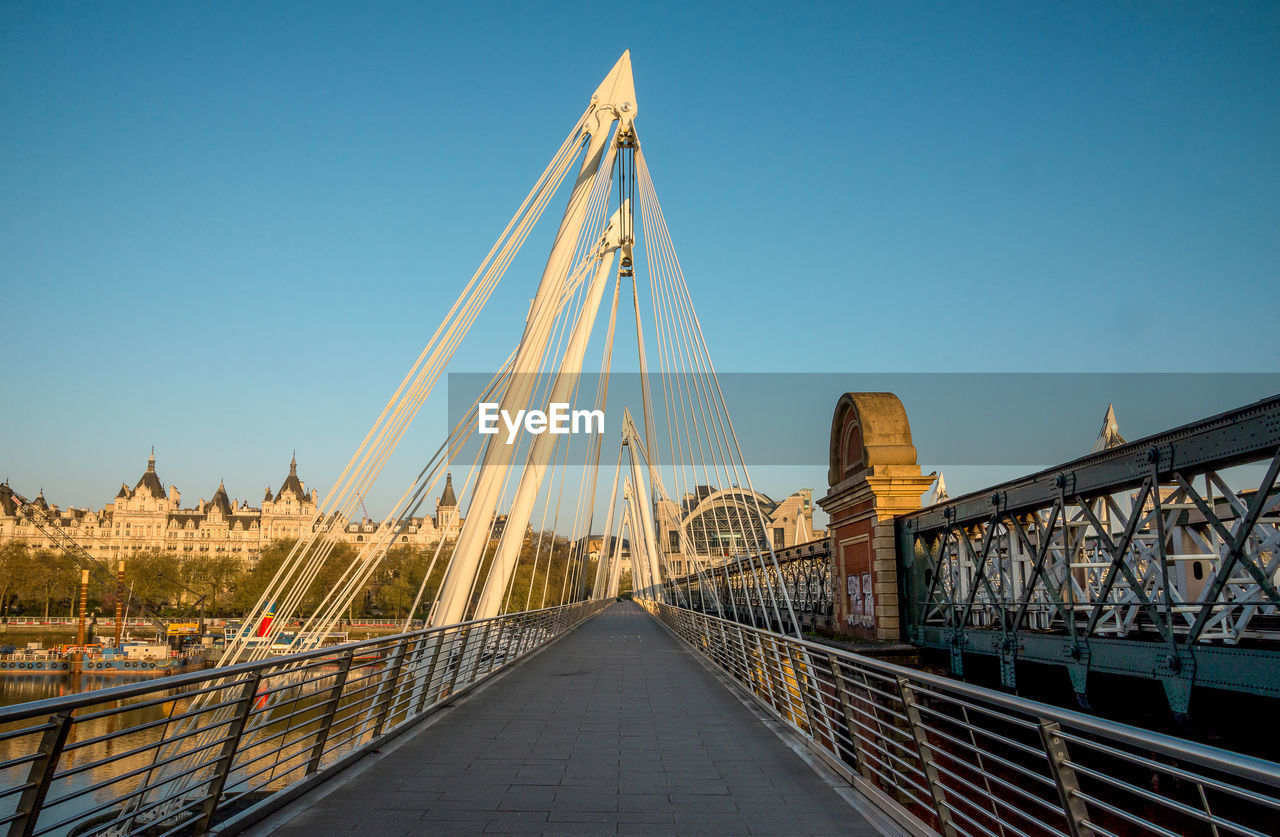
(431, 673)
(457, 661)
(1064, 779)
(222, 767)
(497, 646)
(517, 637)
(749, 677)
(753, 673)
(41, 774)
(819, 696)
(389, 694)
(769, 680)
(725, 654)
(526, 639)
(925, 751)
(724, 658)
(800, 677)
(478, 656)
(850, 717)
(531, 630)
(335, 697)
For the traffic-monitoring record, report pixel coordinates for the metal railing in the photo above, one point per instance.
(376, 623)
(944, 756)
(210, 621)
(214, 621)
(72, 621)
(742, 586)
(180, 754)
(1137, 558)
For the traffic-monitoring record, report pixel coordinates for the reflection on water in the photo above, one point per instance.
(21, 688)
(105, 760)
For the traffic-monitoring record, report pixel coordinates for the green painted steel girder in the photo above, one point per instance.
(1250, 670)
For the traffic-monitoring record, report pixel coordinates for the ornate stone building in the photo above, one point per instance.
(147, 517)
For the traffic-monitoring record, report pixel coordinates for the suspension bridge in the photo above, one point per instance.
(704, 706)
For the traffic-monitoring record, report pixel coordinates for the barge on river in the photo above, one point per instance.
(126, 658)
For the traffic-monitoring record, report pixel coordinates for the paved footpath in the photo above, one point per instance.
(615, 729)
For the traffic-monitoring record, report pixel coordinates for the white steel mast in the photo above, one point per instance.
(614, 100)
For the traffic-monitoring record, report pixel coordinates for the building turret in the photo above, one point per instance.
(447, 509)
(220, 501)
(292, 485)
(149, 481)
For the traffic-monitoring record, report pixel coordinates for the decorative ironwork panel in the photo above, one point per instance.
(1140, 559)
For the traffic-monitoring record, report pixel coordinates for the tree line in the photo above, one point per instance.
(44, 582)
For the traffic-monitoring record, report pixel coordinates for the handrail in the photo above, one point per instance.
(886, 727)
(147, 756)
(30, 709)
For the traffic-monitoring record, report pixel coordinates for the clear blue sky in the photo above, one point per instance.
(226, 228)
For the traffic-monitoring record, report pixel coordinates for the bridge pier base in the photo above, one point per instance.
(873, 478)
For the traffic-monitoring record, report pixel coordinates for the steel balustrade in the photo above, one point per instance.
(1138, 558)
(740, 582)
(943, 756)
(149, 758)
(939, 755)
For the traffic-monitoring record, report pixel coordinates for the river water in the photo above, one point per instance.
(18, 688)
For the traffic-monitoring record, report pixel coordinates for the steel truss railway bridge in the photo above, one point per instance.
(1069, 567)
(701, 707)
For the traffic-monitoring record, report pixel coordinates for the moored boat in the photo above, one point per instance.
(126, 658)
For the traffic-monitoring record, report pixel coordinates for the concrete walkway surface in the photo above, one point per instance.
(615, 729)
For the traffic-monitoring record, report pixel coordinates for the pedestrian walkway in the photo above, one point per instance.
(615, 729)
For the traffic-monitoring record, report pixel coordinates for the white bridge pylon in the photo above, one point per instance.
(594, 247)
